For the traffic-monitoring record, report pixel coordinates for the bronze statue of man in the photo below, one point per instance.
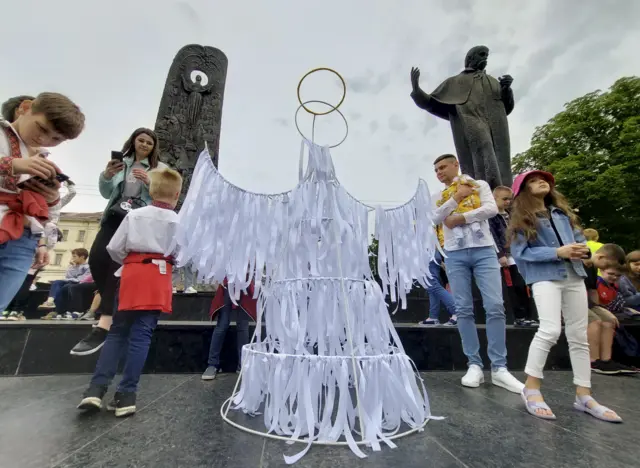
(476, 105)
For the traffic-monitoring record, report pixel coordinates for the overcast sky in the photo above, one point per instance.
(112, 58)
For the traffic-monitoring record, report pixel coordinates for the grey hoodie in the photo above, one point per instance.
(629, 292)
(75, 273)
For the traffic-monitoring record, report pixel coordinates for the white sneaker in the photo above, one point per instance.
(190, 290)
(48, 304)
(503, 378)
(474, 377)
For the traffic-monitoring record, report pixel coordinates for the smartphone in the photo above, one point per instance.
(48, 182)
(117, 155)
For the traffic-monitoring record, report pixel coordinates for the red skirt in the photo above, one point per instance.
(247, 303)
(143, 285)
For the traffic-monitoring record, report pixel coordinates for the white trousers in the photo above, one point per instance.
(554, 299)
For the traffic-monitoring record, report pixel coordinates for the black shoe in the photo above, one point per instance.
(521, 323)
(606, 367)
(123, 403)
(92, 398)
(91, 343)
(624, 369)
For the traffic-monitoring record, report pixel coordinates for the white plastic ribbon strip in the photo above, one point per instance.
(227, 232)
(329, 363)
(312, 397)
(306, 316)
(406, 244)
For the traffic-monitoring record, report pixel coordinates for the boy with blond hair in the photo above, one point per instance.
(29, 191)
(593, 238)
(140, 244)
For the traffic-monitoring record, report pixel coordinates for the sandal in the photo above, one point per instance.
(532, 406)
(598, 411)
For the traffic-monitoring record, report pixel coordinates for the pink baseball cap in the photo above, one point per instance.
(520, 179)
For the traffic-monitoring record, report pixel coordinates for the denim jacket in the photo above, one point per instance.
(537, 259)
(111, 189)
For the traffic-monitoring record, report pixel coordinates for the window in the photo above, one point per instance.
(58, 260)
(65, 235)
(81, 236)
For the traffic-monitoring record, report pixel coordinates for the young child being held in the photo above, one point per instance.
(548, 247)
(27, 204)
(139, 244)
(468, 204)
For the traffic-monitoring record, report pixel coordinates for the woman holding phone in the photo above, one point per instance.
(125, 183)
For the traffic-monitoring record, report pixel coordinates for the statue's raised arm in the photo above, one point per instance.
(424, 100)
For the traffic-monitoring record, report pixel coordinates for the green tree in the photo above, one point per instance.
(593, 150)
(373, 256)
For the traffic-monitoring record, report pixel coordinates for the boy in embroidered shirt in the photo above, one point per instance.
(470, 203)
(44, 122)
(140, 244)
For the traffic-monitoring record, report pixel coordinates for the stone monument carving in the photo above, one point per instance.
(190, 111)
(477, 106)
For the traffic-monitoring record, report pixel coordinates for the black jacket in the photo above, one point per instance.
(498, 225)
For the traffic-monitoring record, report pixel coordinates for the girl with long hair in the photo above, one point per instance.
(548, 246)
(125, 183)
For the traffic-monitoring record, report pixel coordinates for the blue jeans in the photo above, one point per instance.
(217, 339)
(438, 295)
(482, 264)
(56, 288)
(130, 333)
(16, 257)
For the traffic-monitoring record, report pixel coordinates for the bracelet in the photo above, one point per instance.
(42, 245)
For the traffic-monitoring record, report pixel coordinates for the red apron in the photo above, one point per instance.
(247, 303)
(143, 286)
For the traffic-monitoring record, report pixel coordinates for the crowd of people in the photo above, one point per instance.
(521, 244)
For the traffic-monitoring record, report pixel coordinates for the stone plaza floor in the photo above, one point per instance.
(178, 424)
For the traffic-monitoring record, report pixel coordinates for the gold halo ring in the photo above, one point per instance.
(333, 108)
(346, 133)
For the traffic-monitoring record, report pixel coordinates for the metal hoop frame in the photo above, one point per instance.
(301, 106)
(227, 405)
(344, 91)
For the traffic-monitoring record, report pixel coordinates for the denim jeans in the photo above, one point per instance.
(438, 295)
(16, 257)
(217, 339)
(482, 264)
(56, 288)
(130, 335)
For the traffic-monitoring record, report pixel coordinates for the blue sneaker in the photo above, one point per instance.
(430, 322)
(453, 322)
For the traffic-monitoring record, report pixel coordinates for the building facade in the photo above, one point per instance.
(79, 231)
